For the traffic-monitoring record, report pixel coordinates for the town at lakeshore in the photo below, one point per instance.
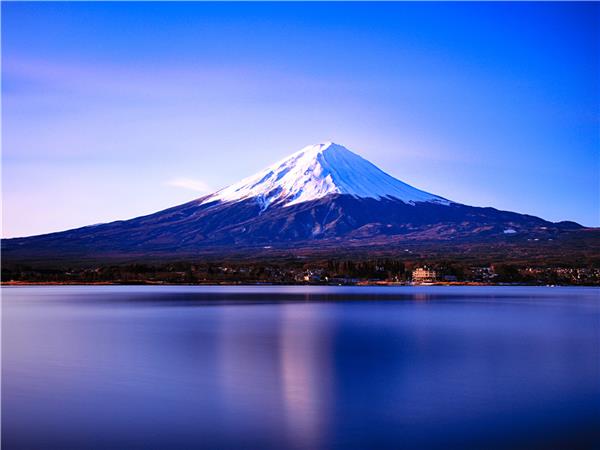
(332, 272)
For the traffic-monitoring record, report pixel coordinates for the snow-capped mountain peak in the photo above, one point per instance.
(317, 171)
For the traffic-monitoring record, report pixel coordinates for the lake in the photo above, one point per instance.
(265, 367)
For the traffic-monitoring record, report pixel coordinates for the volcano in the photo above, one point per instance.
(323, 199)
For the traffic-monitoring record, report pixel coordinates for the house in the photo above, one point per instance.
(423, 275)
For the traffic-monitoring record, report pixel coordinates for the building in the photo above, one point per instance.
(423, 275)
(485, 274)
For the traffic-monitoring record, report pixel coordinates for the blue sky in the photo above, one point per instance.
(114, 110)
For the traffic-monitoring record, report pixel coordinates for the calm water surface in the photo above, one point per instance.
(300, 367)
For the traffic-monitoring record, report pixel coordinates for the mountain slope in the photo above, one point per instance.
(321, 199)
(317, 171)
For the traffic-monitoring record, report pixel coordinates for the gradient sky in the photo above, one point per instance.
(114, 110)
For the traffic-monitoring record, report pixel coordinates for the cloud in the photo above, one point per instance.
(190, 184)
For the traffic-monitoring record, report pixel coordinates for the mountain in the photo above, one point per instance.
(319, 171)
(322, 200)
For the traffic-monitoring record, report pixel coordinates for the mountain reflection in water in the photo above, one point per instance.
(300, 367)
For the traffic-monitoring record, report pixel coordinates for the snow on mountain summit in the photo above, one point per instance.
(317, 171)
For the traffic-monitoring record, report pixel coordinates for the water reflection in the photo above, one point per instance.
(276, 368)
(306, 374)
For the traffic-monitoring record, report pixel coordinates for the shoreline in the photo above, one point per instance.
(358, 284)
